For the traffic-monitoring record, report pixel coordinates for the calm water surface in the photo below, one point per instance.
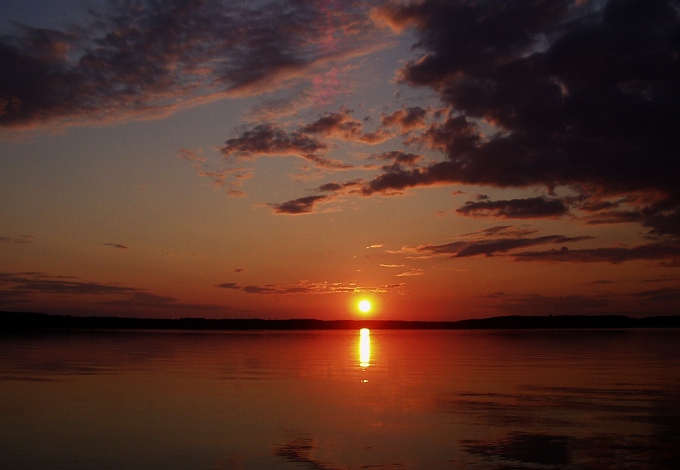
(340, 400)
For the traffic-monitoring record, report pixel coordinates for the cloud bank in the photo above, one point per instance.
(582, 95)
(141, 57)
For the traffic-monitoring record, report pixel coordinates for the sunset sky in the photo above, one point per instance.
(287, 159)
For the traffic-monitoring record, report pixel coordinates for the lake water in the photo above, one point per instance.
(340, 400)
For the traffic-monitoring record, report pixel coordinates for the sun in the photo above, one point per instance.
(365, 306)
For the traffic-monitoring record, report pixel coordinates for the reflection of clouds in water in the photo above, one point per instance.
(299, 450)
(610, 428)
(542, 449)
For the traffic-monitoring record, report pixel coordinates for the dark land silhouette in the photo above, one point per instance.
(26, 321)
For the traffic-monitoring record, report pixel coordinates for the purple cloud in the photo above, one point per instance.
(146, 57)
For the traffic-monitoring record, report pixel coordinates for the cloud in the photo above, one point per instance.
(406, 119)
(306, 287)
(28, 283)
(307, 204)
(582, 95)
(398, 157)
(410, 271)
(29, 287)
(664, 251)
(536, 207)
(22, 240)
(493, 246)
(303, 205)
(341, 125)
(229, 179)
(140, 58)
(658, 295)
(117, 246)
(270, 139)
(615, 217)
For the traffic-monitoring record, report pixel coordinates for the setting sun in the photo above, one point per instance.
(365, 306)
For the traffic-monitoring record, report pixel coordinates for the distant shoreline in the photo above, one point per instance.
(28, 321)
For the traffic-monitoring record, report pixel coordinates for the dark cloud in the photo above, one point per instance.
(665, 251)
(41, 283)
(270, 139)
(303, 205)
(22, 288)
(117, 246)
(536, 207)
(659, 295)
(614, 217)
(491, 246)
(399, 157)
(307, 204)
(306, 287)
(341, 125)
(335, 187)
(581, 94)
(17, 240)
(144, 56)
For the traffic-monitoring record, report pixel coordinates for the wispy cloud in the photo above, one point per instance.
(307, 287)
(117, 246)
(21, 240)
(666, 251)
(21, 284)
(30, 287)
(492, 246)
(406, 271)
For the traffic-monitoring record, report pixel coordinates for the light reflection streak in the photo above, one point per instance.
(364, 347)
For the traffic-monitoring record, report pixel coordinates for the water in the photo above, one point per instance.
(339, 400)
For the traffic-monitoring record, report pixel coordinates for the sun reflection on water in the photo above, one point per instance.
(364, 347)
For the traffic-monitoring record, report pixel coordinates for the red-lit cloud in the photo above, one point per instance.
(406, 119)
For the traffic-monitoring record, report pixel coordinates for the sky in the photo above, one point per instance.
(287, 159)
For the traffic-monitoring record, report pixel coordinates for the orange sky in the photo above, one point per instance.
(445, 159)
